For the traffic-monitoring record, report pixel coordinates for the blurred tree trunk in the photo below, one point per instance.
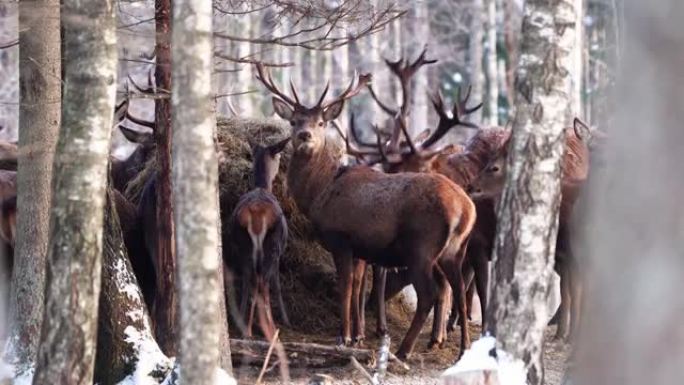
(166, 304)
(632, 331)
(67, 348)
(511, 31)
(475, 58)
(528, 210)
(195, 177)
(491, 65)
(421, 36)
(244, 25)
(577, 68)
(39, 119)
(125, 339)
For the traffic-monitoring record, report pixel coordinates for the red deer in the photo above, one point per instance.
(258, 239)
(417, 221)
(8, 217)
(575, 168)
(123, 171)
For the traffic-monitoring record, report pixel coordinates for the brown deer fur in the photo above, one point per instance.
(258, 238)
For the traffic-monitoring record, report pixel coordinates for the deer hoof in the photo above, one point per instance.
(344, 341)
(381, 333)
(358, 341)
(434, 343)
(402, 355)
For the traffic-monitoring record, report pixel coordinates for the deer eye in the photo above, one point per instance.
(321, 123)
(292, 122)
(494, 169)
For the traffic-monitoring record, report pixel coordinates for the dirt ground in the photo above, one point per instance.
(425, 366)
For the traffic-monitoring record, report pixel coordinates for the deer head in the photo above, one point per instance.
(266, 161)
(308, 123)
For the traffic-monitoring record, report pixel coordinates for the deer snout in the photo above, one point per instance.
(304, 136)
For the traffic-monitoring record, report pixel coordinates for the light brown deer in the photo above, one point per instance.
(417, 221)
(575, 169)
(258, 239)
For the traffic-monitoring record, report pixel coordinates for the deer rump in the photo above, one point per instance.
(386, 228)
(259, 210)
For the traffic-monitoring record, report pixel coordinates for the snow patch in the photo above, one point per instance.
(484, 356)
(151, 360)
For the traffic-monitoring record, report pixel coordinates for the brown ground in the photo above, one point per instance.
(426, 366)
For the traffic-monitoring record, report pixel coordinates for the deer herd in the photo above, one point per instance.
(420, 213)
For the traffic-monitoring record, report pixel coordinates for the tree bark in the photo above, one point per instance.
(421, 29)
(126, 348)
(195, 177)
(67, 348)
(166, 304)
(39, 118)
(528, 220)
(491, 65)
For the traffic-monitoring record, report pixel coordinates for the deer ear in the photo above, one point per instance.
(277, 148)
(581, 129)
(333, 111)
(136, 136)
(282, 109)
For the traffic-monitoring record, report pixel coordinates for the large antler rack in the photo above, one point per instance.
(446, 122)
(151, 89)
(355, 86)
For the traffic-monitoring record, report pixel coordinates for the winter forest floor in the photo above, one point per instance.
(426, 366)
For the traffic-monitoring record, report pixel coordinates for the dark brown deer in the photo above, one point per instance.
(417, 221)
(8, 218)
(258, 238)
(575, 168)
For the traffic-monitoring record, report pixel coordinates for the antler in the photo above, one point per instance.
(351, 90)
(350, 148)
(265, 77)
(459, 110)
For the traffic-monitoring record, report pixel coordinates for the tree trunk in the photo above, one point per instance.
(165, 304)
(39, 117)
(67, 349)
(475, 58)
(634, 239)
(195, 177)
(577, 65)
(528, 220)
(491, 66)
(126, 348)
(419, 108)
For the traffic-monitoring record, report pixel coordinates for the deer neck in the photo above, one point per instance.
(261, 179)
(465, 168)
(309, 175)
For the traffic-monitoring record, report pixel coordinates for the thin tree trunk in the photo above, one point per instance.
(421, 27)
(475, 57)
(166, 304)
(67, 349)
(577, 68)
(491, 66)
(39, 118)
(195, 176)
(528, 211)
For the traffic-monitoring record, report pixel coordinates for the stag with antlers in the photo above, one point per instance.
(417, 221)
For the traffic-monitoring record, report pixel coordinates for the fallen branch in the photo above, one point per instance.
(300, 354)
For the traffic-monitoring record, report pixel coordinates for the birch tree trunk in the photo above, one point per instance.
(166, 304)
(245, 25)
(475, 57)
(491, 65)
(39, 118)
(528, 211)
(635, 217)
(577, 67)
(67, 348)
(195, 176)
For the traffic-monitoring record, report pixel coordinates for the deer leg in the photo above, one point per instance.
(452, 267)
(253, 298)
(576, 297)
(564, 319)
(246, 299)
(454, 317)
(470, 293)
(439, 314)
(345, 270)
(481, 266)
(423, 282)
(379, 282)
(357, 310)
(279, 297)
